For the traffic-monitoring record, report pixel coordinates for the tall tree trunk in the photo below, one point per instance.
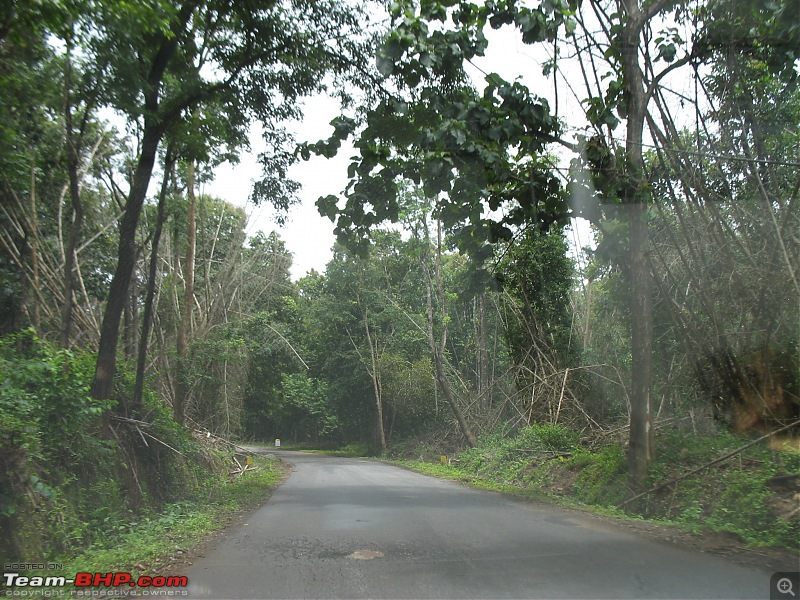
(147, 317)
(185, 326)
(376, 385)
(106, 365)
(36, 319)
(131, 318)
(640, 450)
(118, 290)
(438, 348)
(73, 158)
(483, 351)
(441, 377)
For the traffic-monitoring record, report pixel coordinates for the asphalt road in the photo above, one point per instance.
(350, 528)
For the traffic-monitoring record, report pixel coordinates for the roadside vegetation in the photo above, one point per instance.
(120, 494)
(547, 275)
(152, 542)
(747, 496)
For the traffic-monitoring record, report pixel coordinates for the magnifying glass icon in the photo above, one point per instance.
(784, 586)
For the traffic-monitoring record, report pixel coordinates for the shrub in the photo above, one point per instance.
(557, 438)
(47, 418)
(602, 479)
(66, 477)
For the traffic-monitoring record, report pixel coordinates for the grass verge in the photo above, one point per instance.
(152, 543)
(549, 464)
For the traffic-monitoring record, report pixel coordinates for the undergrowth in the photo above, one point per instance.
(550, 462)
(74, 472)
(147, 543)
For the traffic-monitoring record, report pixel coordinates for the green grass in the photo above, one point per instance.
(455, 473)
(348, 451)
(150, 541)
(548, 464)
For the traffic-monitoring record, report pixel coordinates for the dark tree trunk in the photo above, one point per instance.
(641, 431)
(185, 325)
(33, 244)
(640, 450)
(105, 368)
(147, 317)
(437, 349)
(483, 352)
(447, 390)
(131, 318)
(73, 159)
(118, 291)
(376, 385)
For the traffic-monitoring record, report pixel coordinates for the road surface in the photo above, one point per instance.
(351, 528)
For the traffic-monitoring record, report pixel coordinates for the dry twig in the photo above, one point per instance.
(722, 458)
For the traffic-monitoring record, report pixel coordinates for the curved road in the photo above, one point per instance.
(350, 528)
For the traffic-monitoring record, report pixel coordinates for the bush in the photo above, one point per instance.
(47, 418)
(602, 479)
(556, 438)
(67, 478)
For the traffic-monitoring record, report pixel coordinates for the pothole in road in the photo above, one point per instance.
(365, 554)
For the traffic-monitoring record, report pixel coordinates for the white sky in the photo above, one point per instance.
(308, 236)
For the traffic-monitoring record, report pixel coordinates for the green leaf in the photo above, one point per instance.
(667, 52)
(326, 206)
(393, 48)
(385, 65)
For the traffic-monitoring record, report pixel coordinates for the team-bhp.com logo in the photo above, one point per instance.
(95, 580)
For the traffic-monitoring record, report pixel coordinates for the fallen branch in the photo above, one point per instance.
(138, 425)
(552, 453)
(141, 435)
(709, 464)
(204, 433)
(130, 421)
(152, 437)
(242, 470)
(623, 428)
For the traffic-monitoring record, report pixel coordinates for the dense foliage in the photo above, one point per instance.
(136, 312)
(65, 481)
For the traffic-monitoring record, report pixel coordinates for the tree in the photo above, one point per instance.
(722, 243)
(436, 312)
(152, 274)
(185, 323)
(53, 146)
(355, 286)
(161, 62)
(80, 99)
(484, 154)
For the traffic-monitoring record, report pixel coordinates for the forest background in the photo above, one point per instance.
(139, 316)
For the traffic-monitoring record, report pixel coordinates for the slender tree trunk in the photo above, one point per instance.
(70, 262)
(185, 326)
(118, 290)
(131, 318)
(147, 317)
(640, 451)
(376, 385)
(441, 378)
(36, 319)
(73, 158)
(437, 349)
(483, 351)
